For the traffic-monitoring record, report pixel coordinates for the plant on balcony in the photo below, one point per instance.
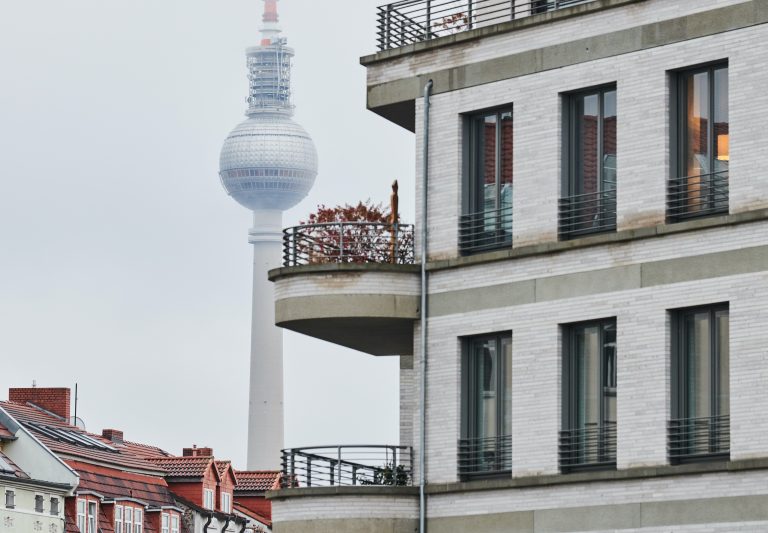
(454, 23)
(362, 233)
(390, 475)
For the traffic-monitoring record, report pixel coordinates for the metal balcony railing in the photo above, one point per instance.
(348, 242)
(412, 21)
(583, 214)
(485, 230)
(699, 438)
(485, 456)
(697, 196)
(326, 466)
(593, 446)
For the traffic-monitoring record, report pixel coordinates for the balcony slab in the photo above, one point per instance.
(366, 307)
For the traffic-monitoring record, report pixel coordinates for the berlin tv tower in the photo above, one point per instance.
(268, 164)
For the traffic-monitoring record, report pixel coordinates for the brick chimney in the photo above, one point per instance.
(57, 401)
(194, 451)
(115, 435)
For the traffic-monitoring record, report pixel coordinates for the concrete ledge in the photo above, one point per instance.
(603, 475)
(370, 491)
(277, 274)
(599, 240)
(495, 29)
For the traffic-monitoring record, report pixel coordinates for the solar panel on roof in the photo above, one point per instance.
(72, 437)
(5, 467)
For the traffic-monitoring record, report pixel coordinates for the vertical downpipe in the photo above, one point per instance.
(423, 376)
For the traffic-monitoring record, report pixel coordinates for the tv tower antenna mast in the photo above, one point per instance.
(268, 164)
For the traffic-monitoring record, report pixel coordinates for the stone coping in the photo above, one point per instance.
(705, 467)
(553, 247)
(620, 236)
(326, 268)
(495, 29)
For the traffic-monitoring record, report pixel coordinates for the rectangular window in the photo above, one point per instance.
(226, 503)
(700, 425)
(92, 512)
(588, 203)
(588, 437)
(128, 519)
(699, 187)
(174, 524)
(119, 519)
(39, 503)
(55, 506)
(10, 499)
(486, 448)
(81, 505)
(208, 499)
(138, 518)
(165, 520)
(487, 219)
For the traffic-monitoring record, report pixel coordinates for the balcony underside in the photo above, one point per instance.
(356, 306)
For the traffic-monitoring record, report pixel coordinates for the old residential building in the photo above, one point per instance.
(34, 483)
(595, 288)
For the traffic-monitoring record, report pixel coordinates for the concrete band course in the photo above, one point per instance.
(611, 44)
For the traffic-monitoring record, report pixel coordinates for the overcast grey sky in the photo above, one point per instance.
(123, 264)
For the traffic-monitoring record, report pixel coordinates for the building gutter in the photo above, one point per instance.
(208, 523)
(423, 318)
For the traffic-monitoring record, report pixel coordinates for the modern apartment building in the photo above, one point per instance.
(586, 348)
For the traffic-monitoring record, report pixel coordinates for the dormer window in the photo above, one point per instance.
(118, 519)
(138, 521)
(208, 499)
(226, 502)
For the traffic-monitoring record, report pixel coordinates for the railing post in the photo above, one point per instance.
(293, 245)
(428, 22)
(388, 27)
(339, 465)
(354, 475)
(469, 13)
(341, 242)
(309, 471)
(293, 469)
(332, 471)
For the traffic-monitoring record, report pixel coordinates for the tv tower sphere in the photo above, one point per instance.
(269, 162)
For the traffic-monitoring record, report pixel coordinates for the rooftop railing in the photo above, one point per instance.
(348, 242)
(412, 21)
(358, 465)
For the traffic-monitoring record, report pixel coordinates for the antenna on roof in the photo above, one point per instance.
(34, 383)
(75, 417)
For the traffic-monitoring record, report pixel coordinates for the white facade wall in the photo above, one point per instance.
(324, 284)
(643, 84)
(23, 518)
(642, 80)
(338, 506)
(531, 38)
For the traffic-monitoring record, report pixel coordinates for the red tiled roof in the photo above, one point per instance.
(183, 466)
(105, 525)
(253, 514)
(258, 480)
(113, 483)
(221, 466)
(18, 472)
(145, 450)
(120, 455)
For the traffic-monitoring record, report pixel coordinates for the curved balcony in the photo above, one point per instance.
(351, 283)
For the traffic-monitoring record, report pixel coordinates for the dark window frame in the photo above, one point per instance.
(469, 407)
(54, 507)
(606, 435)
(680, 381)
(572, 199)
(10, 499)
(39, 503)
(474, 216)
(679, 137)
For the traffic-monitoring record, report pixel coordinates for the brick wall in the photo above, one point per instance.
(55, 400)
